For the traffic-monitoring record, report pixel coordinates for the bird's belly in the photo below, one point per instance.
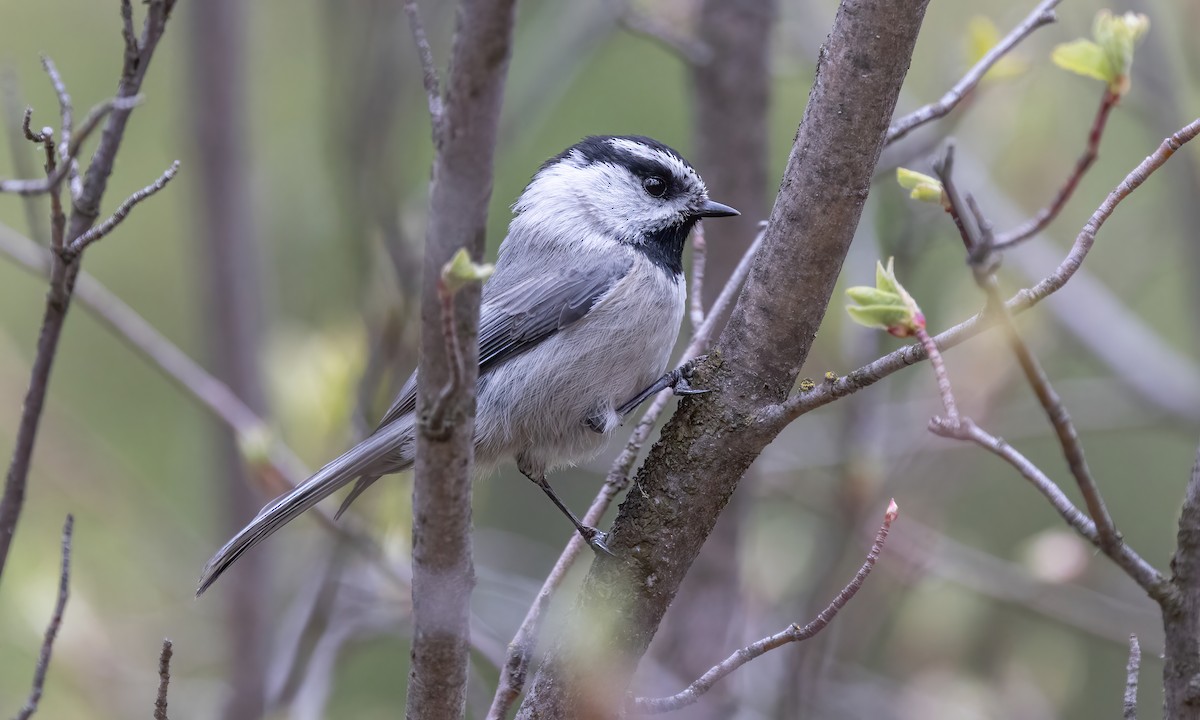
(539, 403)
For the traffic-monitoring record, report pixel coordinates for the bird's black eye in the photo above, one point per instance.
(656, 186)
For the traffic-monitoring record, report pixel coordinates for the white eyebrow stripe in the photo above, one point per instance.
(677, 166)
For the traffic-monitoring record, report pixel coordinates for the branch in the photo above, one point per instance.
(825, 393)
(164, 679)
(436, 419)
(688, 49)
(793, 633)
(1131, 679)
(1181, 612)
(119, 215)
(65, 269)
(712, 439)
(1140, 571)
(91, 122)
(43, 663)
(520, 650)
(980, 243)
(279, 471)
(67, 116)
(939, 370)
(1047, 214)
(1043, 14)
(463, 166)
(429, 74)
(696, 291)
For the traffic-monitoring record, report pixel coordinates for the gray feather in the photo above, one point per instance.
(511, 322)
(515, 319)
(360, 459)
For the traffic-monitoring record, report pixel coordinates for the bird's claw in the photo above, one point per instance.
(597, 540)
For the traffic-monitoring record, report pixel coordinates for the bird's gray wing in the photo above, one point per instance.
(517, 318)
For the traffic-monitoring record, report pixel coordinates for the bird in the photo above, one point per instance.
(576, 327)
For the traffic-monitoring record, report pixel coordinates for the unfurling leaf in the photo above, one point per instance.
(924, 188)
(887, 306)
(460, 271)
(1083, 57)
(1109, 55)
(982, 36)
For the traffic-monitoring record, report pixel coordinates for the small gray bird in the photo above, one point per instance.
(576, 326)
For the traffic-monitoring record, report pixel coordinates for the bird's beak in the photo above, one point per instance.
(715, 209)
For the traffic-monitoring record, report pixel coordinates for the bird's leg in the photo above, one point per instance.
(597, 540)
(676, 379)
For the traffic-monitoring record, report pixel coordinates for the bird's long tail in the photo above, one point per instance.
(377, 451)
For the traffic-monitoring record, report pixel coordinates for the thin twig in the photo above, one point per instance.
(281, 471)
(1047, 214)
(520, 650)
(92, 120)
(939, 370)
(824, 393)
(429, 73)
(1131, 679)
(45, 138)
(1043, 14)
(793, 633)
(122, 211)
(85, 208)
(1142, 572)
(43, 663)
(689, 49)
(699, 259)
(436, 420)
(45, 185)
(67, 116)
(979, 241)
(164, 679)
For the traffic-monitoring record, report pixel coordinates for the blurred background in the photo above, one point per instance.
(285, 259)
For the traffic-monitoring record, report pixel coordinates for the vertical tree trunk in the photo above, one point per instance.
(443, 570)
(731, 100)
(1181, 615)
(703, 451)
(232, 266)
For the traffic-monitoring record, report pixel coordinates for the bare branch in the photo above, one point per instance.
(52, 181)
(939, 370)
(65, 270)
(793, 633)
(689, 49)
(980, 242)
(1047, 214)
(825, 393)
(429, 73)
(67, 116)
(1181, 612)
(282, 470)
(1131, 679)
(520, 650)
(1043, 14)
(1144, 574)
(164, 679)
(696, 291)
(436, 419)
(122, 211)
(463, 166)
(43, 663)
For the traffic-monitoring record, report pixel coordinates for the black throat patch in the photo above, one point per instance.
(664, 247)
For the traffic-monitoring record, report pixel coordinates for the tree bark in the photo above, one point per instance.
(713, 438)
(233, 306)
(443, 571)
(731, 100)
(1181, 614)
